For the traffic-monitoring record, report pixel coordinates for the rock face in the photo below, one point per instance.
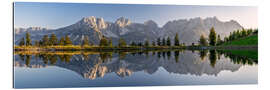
(189, 30)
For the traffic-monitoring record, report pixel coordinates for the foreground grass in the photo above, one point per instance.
(251, 40)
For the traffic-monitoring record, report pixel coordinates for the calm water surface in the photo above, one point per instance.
(56, 70)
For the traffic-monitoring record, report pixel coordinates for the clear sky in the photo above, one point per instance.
(56, 15)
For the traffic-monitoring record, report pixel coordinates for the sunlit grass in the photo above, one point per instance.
(251, 40)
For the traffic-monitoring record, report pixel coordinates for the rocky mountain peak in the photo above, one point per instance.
(122, 22)
(212, 19)
(151, 23)
(94, 22)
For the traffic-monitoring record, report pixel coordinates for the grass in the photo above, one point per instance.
(251, 40)
(78, 47)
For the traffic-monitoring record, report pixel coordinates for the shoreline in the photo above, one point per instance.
(97, 48)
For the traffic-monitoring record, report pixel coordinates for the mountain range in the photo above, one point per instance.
(189, 30)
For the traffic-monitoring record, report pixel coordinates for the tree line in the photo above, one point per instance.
(46, 40)
(214, 39)
(52, 40)
(159, 42)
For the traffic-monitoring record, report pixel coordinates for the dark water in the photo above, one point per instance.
(164, 68)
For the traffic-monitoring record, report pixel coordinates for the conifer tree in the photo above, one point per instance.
(110, 44)
(22, 42)
(133, 43)
(53, 40)
(158, 42)
(212, 37)
(62, 41)
(45, 40)
(28, 41)
(146, 43)
(176, 40)
(244, 33)
(168, 41)
(153, 43)
(219, 41)
(163, 42)
(122, 42)
(103, 41)
(140, 44)
(67, 41)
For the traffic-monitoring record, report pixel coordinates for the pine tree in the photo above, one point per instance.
(163, 42)
(146, 43)
(110, 43)
(122, 42)
(219, 41)
(203, 41)
(53, 40)
(249, 32)
(103, 41)
(244, 33)
(234, 36)
(67, 41)
(238, 34)
(132, 43)
(158, 42)
(153, 43)
(212, 37)
(22, 42)
(226, 39)
(176, 40)
(45, 40)
(140, 44)
(28, 41)
(230, 36)
(62, 41)
(168, 41)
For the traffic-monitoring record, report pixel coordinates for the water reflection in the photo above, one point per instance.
(97, 64)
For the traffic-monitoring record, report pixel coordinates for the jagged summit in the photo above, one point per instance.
(93, 22)
(122, 22)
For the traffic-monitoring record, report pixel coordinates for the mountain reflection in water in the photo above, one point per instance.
(94, 65)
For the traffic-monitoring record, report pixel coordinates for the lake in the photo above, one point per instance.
(142, 68)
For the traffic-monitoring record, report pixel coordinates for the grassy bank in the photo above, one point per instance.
(250, 40)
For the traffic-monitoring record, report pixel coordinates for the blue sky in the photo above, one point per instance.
(56, 15)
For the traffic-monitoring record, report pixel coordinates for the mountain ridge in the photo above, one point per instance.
(189, 30)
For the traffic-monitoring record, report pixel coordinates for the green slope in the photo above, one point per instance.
(251, 40)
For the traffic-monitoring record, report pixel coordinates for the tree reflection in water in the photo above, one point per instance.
(86, 61)
(213, 56)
